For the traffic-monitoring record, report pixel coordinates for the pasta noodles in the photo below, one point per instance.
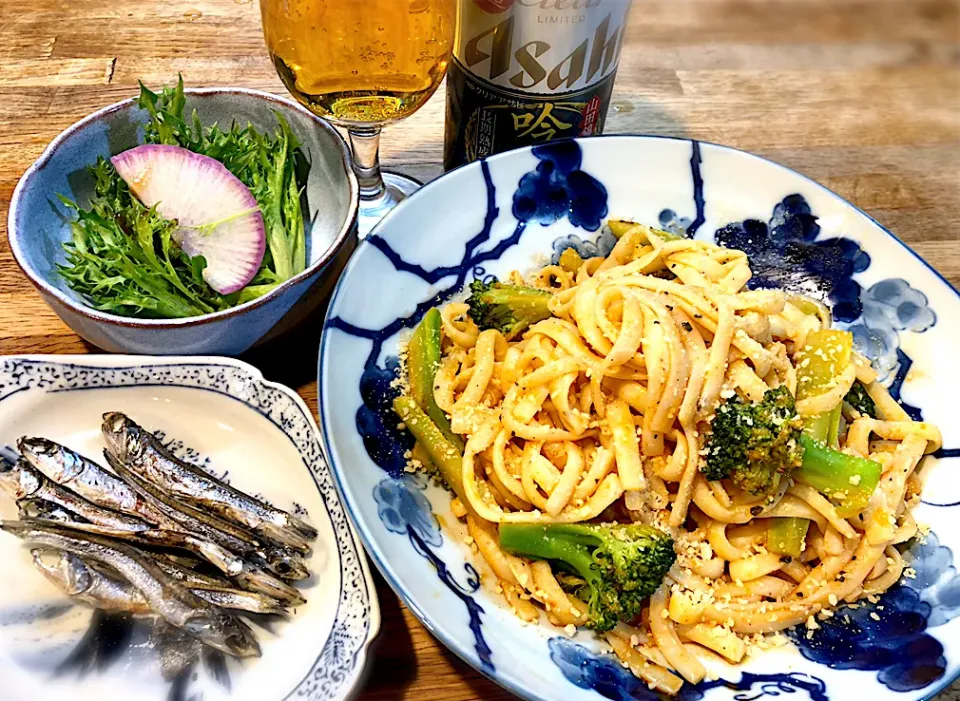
(603, 411)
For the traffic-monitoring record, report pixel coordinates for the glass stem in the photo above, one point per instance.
(365, 143)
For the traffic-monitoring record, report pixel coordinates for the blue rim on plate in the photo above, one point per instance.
(342, 649)
(563, 187)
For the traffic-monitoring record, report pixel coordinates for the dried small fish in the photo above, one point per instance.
(177, 605)
(141, 451)
(21, 481)
(224, 560)
(188, 575)
(86, 478)
(74, 578)
(103, 588)
(221, 591)
(283, 562)
(242, 572)
(239, 600)
(286, 563)
(189, 519)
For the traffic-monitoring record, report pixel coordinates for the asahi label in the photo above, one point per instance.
(529, 71)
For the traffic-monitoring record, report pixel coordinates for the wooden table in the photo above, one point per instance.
(861, 95)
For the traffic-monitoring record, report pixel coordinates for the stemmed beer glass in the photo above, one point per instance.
(362, 64)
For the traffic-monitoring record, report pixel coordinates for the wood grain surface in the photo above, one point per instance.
(861, 95)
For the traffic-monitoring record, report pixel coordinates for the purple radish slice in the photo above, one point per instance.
(217, 215)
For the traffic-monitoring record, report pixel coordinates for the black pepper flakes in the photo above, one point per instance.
(687, 325)
(756, 510)
(786, 559)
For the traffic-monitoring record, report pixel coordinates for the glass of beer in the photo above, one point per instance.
(362, 64)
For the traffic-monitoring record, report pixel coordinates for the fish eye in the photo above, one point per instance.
(199, 625)
(42, 446)
(236, 641)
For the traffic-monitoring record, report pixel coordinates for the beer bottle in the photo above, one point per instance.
(529, 71)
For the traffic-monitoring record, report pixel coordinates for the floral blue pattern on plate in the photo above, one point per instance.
(260, 436)
(513, 210)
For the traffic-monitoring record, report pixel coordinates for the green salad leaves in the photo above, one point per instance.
(122, 258)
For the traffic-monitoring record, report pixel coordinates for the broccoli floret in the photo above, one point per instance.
(510, 309)
(621, 566)
(858, 398)
(755, 444)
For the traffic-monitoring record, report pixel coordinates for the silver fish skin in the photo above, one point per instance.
(178, 606)
(74, 578)
(238, 600)
(189, 577)
(108, 586)
(191, 520)
(244, 573)
(22, 481)
(284, 562)
(222, 592)
(44, 513)
(227, 562)
(86, 478)
(19, 481)
(141, 451)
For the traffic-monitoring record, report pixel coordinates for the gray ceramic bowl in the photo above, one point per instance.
(39, 224)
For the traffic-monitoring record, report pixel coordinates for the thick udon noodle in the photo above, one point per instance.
(605, 405)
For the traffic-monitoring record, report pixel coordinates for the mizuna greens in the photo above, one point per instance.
(123, 258)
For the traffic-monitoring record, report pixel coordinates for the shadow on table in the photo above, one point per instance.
(482, 688)
(291, 358)
(392, 666)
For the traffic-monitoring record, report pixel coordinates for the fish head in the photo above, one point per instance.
(65, 571)
(286, 563)
(225, 633)
(43, 509)
(123, 439)
(52, 459)
(19, 480)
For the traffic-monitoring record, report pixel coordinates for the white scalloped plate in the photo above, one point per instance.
(263, 436)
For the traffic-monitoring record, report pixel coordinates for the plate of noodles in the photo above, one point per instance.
(635, 417)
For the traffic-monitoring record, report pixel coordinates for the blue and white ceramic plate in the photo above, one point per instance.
(514, 211)
(262, 438)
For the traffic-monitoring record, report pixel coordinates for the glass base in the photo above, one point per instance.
(372, 211)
